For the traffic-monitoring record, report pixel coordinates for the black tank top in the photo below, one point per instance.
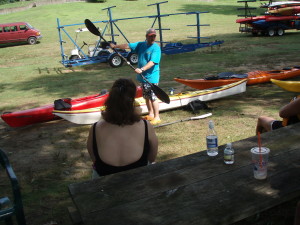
(104, 169)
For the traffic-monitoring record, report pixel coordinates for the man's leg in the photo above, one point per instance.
(147, 95)
(155, 106)
(151, 111)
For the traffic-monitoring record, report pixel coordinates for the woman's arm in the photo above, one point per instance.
(90, 144)
(153, 141)
(291, 109)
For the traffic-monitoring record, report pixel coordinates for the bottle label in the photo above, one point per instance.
(212, 141)
(228, 157)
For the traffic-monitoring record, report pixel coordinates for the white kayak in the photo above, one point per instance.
(92, 115)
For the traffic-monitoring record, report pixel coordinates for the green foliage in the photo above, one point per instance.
(8, 1)
(2, 2)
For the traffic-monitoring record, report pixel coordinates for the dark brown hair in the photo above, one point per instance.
(120, 108)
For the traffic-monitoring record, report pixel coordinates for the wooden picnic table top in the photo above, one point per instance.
(195, 189)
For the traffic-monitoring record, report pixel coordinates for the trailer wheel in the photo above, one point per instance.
(115, 60)
(31, 40)
(132, 58)
(280, 32)
(271, 32)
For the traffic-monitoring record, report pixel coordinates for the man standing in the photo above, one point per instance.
(149, 54)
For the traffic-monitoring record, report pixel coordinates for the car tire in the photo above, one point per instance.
(31, 40)
(115, 60)
(132, 58)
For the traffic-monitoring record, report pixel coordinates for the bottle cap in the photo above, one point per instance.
(211, 124)
(229, 145)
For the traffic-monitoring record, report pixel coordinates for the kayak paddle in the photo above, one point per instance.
(187, 119)
(157, 91)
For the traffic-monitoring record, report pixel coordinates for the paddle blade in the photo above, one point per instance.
(201, 117)
(91, 27)
(160, 93)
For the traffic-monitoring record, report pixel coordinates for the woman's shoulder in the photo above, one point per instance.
(101, 124)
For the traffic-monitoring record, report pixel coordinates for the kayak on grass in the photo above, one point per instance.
(293, 86)
(254, 77)
(44, 113)
(92, 115)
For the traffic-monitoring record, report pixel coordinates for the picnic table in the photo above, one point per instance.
(195, 189)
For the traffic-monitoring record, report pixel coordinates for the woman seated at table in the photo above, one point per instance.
(290, 114)
(122, 140)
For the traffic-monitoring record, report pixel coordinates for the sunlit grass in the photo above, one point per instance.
(32, 76)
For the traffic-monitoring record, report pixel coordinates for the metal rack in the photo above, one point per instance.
(110, 24)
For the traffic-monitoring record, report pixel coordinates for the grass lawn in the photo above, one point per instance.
(47, 157)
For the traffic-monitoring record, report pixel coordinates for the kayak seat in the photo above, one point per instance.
(211, 77)
(103, 92)
(276, 71)
(287, 68)
(10, 208)
(229, 75)
(61, 104)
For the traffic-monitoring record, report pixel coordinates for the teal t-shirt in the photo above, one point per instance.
(147, 53)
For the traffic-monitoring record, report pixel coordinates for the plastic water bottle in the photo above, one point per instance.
(171, 91)
(212, 140)
(229, 154)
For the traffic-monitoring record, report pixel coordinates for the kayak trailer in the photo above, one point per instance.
(100, 51)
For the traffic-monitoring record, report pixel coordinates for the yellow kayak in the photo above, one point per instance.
(293, 86)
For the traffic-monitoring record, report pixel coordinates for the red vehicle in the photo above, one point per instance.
(19, 32)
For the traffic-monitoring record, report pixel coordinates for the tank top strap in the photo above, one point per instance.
(146, 142)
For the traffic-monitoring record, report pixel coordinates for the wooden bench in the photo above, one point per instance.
(195, 189)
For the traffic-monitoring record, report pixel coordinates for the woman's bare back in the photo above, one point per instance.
(120, 145)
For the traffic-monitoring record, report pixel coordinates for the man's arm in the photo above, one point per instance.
(291, 109)
(121, 46)
(144, 68)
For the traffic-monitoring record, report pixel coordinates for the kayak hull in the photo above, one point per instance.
(93, 115)
(287, 11)
(268, 18)
(292, 86)
(254, 77)
(44, 113)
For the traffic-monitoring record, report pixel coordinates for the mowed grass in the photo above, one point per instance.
(33, 76)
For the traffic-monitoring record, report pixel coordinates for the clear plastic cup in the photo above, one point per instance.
(260, 159)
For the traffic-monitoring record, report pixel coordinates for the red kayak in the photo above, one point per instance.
(44, 113)
(250, 19)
